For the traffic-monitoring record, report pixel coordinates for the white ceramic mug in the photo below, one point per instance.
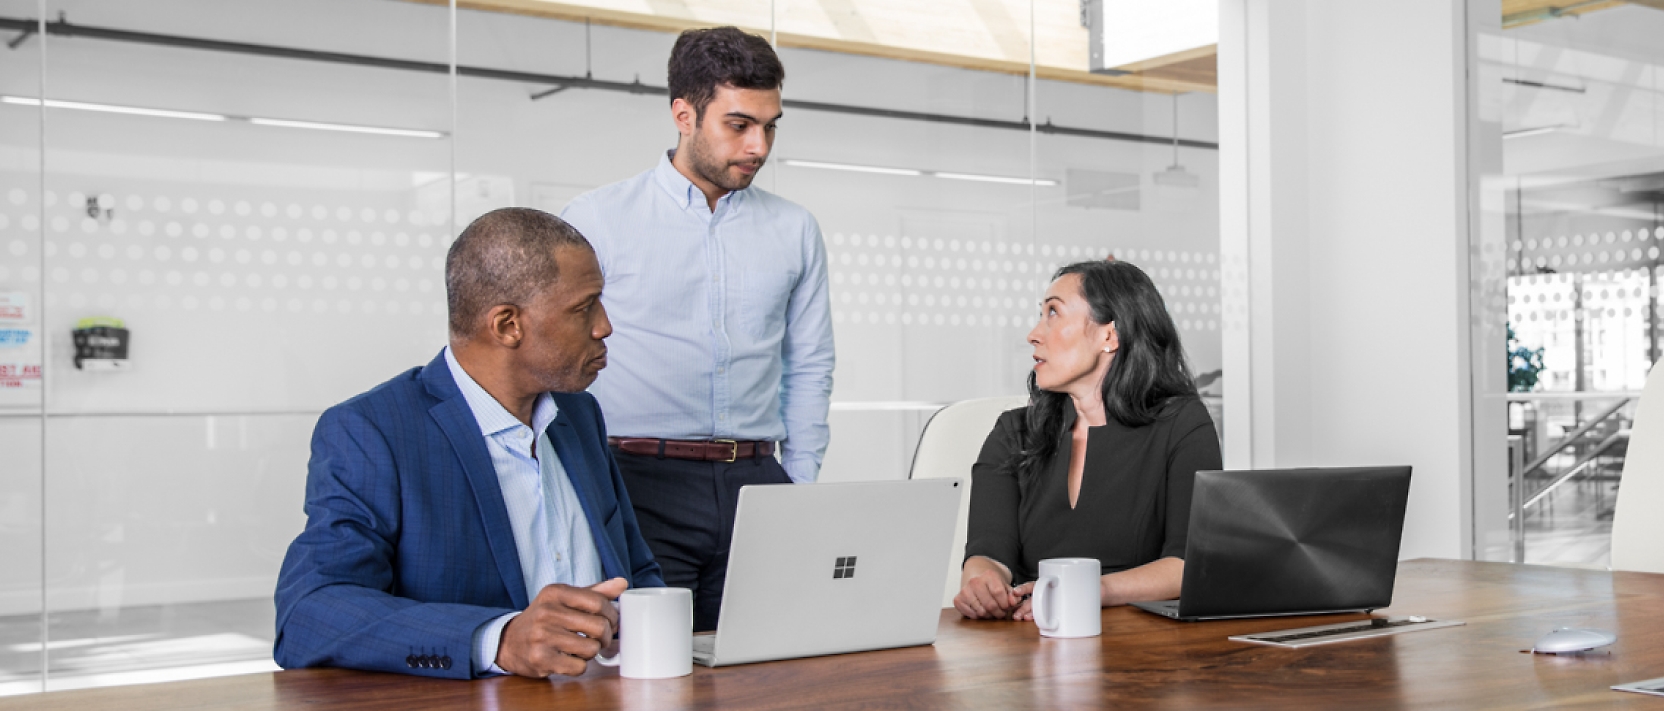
(655, 634)
(1066, 601)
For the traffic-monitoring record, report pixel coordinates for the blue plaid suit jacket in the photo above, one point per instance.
(407, 547)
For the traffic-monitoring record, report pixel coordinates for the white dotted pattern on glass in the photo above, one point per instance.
(213, 251)
(994, 284)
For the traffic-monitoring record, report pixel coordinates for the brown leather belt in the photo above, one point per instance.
(716, 450)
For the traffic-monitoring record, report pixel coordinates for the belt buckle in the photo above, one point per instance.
(733, 452)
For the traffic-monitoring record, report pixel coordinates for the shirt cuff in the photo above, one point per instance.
(802, 470)
(486, 639)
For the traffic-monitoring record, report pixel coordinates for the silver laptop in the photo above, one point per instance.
(831, 568)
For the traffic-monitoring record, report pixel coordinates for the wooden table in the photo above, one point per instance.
(1140, 661)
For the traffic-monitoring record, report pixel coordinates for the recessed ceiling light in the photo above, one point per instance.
(201, 116)
(348, 128)
(996, 179)
(851, 167)
(1010, 180)
(1538, 131)
(113, 109)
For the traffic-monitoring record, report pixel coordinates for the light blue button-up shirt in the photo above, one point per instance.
(722, 327)
(551, 534)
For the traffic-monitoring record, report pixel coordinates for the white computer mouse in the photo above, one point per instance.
(1567, 639)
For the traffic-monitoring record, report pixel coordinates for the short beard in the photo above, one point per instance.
(711, 169)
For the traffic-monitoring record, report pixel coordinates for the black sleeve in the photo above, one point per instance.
(1196, 448)
(992, 527)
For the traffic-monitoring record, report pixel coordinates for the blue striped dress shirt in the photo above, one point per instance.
(551, 535)
(722, 323)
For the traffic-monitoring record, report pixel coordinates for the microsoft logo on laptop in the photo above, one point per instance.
(844, 568)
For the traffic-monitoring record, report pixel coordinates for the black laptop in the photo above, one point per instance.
(1290, 542)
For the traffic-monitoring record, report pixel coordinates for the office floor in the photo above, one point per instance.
(1573, 526)
(137, 644)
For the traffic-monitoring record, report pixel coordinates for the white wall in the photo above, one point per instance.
(1350, 181)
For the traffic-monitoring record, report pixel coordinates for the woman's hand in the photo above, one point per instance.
(985, 591)
(1024, 611)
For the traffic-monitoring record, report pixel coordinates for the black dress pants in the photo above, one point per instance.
(686, 512)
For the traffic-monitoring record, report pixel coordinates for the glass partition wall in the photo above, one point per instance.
(1569, 164)
(257, 226)
(22, 625)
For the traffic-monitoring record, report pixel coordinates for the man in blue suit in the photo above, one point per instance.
(466, 518)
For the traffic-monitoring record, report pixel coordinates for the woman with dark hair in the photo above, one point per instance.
(1101, 462)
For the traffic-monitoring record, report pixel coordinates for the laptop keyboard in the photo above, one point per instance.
(1344, 631)
(1375, 624)
(704, 644)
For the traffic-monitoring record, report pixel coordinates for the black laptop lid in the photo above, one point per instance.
(1282, 541)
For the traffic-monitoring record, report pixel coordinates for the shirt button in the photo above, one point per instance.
(720, 370)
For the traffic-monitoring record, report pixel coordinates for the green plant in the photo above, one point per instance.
(1524, 364)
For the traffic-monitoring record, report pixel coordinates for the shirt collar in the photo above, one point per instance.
(683, 191)
(491, 416)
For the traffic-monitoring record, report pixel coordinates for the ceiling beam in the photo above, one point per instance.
(1519, 13)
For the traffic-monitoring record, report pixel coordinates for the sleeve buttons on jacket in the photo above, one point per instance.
(410, 661)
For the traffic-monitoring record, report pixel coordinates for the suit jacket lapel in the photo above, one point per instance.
(463, 432)
(580, 470)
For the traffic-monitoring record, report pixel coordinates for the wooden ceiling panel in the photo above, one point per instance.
(985, 35)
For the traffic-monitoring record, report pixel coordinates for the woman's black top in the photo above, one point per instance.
(1134, 503)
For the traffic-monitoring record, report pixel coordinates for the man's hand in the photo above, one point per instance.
(561, 630)
(985, 595)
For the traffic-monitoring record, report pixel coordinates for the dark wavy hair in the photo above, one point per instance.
(702, 60)
(1148, 376)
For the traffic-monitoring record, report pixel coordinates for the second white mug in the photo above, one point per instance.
(1066, 599)
(655, 628)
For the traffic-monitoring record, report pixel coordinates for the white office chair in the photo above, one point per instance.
(1637, 527)
(947, 448)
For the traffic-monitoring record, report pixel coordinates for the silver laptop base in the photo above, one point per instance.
(704, 650)
(1170, 609)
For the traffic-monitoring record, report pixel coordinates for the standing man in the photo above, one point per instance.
(718, 293)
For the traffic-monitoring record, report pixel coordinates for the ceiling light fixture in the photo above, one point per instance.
(996, 179)
(850, 167)
(1043, 182)
(1175, 175)
(1538, 131)
(113, 109)
(201, 116)
(348, 128)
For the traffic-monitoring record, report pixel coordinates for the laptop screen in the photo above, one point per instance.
(1293, 540)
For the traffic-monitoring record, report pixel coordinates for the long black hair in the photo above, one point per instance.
(1147, 377)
